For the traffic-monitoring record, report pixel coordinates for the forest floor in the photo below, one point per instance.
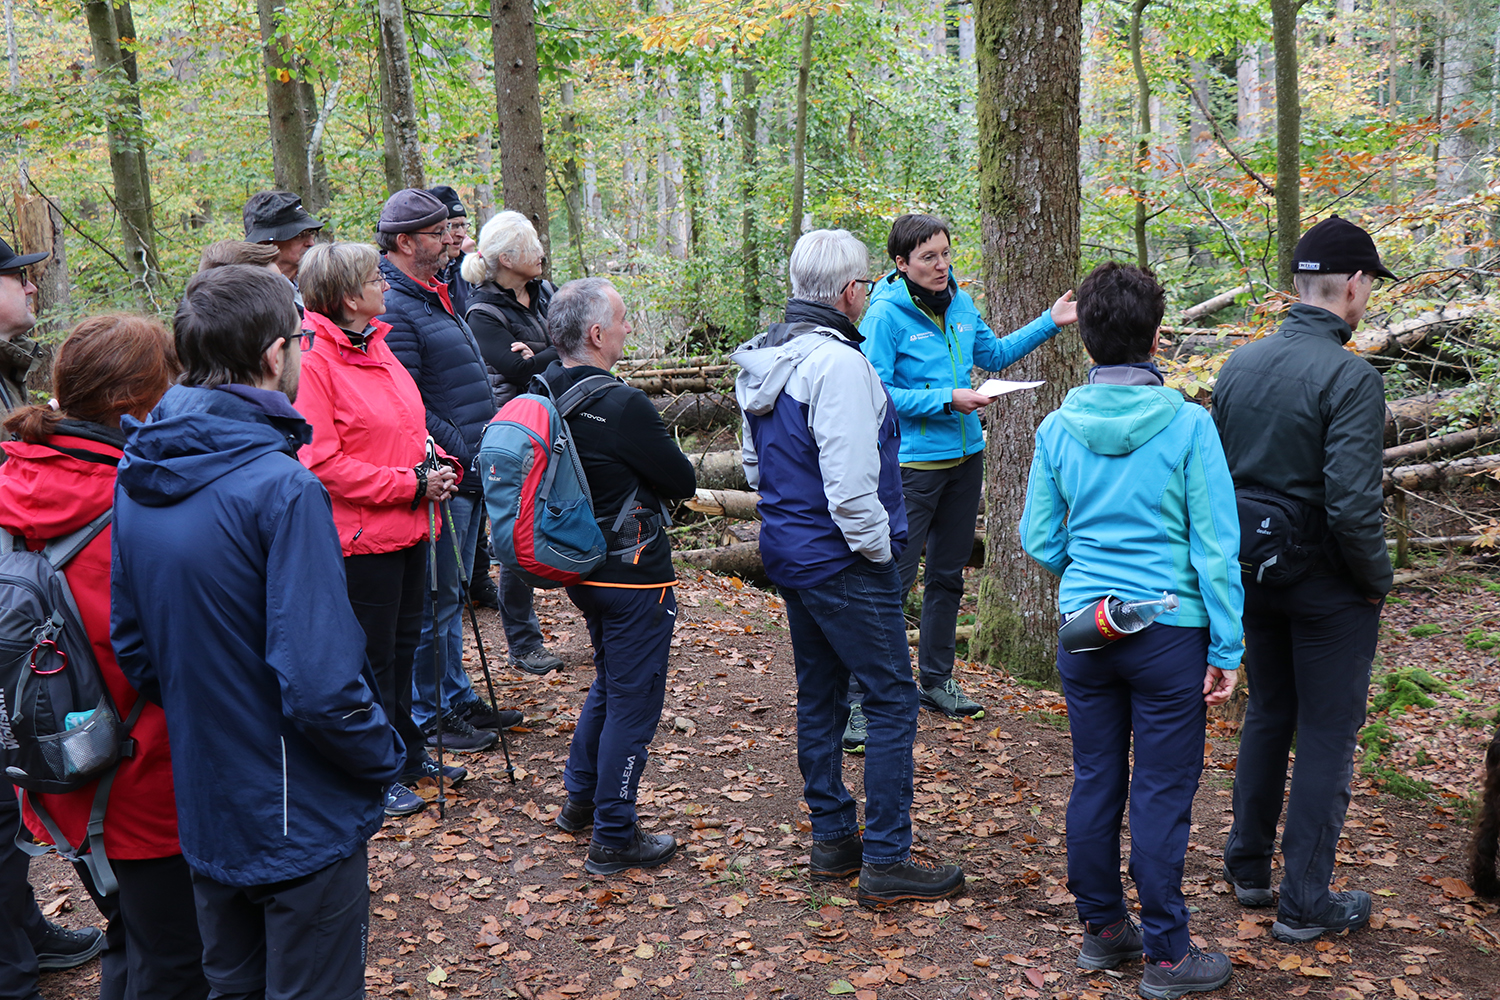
(493, 901)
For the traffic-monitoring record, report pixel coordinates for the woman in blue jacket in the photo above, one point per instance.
(924, 336)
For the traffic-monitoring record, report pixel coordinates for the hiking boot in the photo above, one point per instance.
(576, 815)
(481, 716)
(402, 801)
(1198, 972)
(645, 850)
(915, 878)
(1349, 911)
(427, 768)
(539, 661)
(61, 948)
(459, 736)
(1249, 895)
(484, 594)
(948, 699)
(836, 859)
(854, 732)
(1111, 945)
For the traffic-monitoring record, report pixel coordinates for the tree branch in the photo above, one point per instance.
(1219, 134)
(74, 226)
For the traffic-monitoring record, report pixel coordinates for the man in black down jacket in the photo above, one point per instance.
(632, 465)
(439, 351)
(1301, 415)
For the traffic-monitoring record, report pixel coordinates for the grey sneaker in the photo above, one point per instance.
(854, 732)
(951, 701)
(1198, 972)
(1348, 911)
(539, 661)
(1249, 895)
(1111, 945)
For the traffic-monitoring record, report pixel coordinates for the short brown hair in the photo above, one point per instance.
(912, 230)
(237, 252)
(1119, 308)
(108, 365)
(332, 272)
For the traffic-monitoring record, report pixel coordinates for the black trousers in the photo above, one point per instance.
(1308, 649)
(152, 949)
(20, 920)
(386, 591)
(300, 939)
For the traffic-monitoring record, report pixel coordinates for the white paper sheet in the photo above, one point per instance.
(998, 387)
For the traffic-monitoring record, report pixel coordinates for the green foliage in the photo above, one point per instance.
(1479, 639)
(1477, 718)
(1405, 688)
(1426, 629)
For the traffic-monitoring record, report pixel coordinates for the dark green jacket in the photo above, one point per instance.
(1300, 414)
(16, 358)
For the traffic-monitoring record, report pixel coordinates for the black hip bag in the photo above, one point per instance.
(1281, 537)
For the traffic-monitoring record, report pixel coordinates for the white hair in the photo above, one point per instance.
(823, 263)
(508, 234)
(577, 307)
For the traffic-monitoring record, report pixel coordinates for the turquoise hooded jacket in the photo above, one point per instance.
(922, 363)
(1130, 496)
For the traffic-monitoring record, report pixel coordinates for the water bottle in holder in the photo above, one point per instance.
(1099, 624)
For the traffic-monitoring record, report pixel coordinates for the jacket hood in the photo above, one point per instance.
(196, 436)
(46, 493)
(769, 360)
(1118, 419)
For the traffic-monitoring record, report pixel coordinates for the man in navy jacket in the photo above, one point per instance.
(229, 609)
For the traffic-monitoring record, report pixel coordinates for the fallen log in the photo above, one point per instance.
(643, 364)
(655, 385)
(1210, 306)
(1437, 542)
(726, 503)
(1434, 475)
(960, 634)
(1445, 444)
(697, 411)
(1413, 575)
(741, 559)
(1413, 413)
(719, 470)
(1408, 335)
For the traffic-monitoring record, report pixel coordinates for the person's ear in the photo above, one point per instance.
(902, 264)
(1156, 342)
(274, 359)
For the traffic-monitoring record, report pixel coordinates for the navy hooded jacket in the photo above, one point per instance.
(230, 610)
(444, 360)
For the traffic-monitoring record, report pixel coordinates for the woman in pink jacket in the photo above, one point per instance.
(369, 438)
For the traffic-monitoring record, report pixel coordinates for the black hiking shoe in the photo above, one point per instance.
(1111, 945)
(61, 948)
(645, 850)
(459, 736)
(576, 815)
(1198, 972)
(836, 859)
(477, 713)
(914, 879)
(1349, 911)
(1247, 895)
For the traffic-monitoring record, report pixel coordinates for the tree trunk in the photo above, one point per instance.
(1200, 128)
(719, 470)
(698, 411)
(518, 105)
(127, 135)
(741, 559)
(799, 144)
(289, 137)
(1409, 418)
(1288, 139)
(1444, 444)
(1028, 54)
(1436, 475)
(39, 229)
(1458, 148)
(741, 504)
(12, 61)
(391, 151)
(749, 151)
(572, 183)
(1249, 94)
(400, 100)
(484, 190)
(1143, 122)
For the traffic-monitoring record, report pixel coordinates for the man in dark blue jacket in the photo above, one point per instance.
(229, 609)
(436, 346)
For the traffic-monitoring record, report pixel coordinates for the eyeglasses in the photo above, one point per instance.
(439, 233)
(306, 337)
(379, 282)
(868, 284)
(19, 274)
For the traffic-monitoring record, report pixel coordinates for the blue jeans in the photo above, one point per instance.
(852, 626)
(1150, 686)
(448, 622)
(523, 633)
(632, 635)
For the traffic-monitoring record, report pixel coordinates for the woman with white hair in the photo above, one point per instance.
(508, 314)
(508, 308)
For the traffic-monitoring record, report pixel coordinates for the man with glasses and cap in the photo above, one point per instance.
(458, 228)
(17, 316)
(1302, 421)
(277, 217)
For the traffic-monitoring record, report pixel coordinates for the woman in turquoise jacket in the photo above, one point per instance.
(924, 336)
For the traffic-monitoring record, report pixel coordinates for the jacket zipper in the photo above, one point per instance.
(284, 820)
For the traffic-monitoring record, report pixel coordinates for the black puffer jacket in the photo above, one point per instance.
(443, 358)
(459, 290)
(509, 370)
(1301, 415)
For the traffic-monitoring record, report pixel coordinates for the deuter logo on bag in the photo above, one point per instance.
(7, 738)
(1265, 527)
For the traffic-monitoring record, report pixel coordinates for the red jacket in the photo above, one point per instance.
(45, 494)
(369, 430)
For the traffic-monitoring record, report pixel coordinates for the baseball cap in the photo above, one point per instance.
(449, 197)
(12, 261)
(276, 215)
(1338, 246)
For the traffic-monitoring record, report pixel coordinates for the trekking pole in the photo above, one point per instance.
(484, 661)
(439, 646)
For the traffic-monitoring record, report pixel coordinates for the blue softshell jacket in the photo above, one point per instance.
(1130, 496)
(229, 609)
(820, 444)
(922, 363)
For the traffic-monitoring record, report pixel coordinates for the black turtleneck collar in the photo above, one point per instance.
(806, 311)
(936, 302)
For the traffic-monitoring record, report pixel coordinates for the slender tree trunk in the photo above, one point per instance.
(39, 229)
(127, 136)
(1029, 221)
(289, 139)
(518, 105)
(1249, 94)
(1143, 145)
(749, 153)
(12, 59)
(400, 104)
(1288, 139)
(1345, 23)
(484, 191)
(391, 152)
(799, 143)
(572, 184)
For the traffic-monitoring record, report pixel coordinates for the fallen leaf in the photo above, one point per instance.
(1035, 978)
(1455, 888)
(1403, 991)
(840, 986)
(1248, 930)
(439, 901)
(1315, 970)
(1289, 963)
(645, 951)
(437, 975)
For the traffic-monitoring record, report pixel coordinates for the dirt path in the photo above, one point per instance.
(493, 902)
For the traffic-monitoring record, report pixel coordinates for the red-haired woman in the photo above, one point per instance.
(60, 475)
